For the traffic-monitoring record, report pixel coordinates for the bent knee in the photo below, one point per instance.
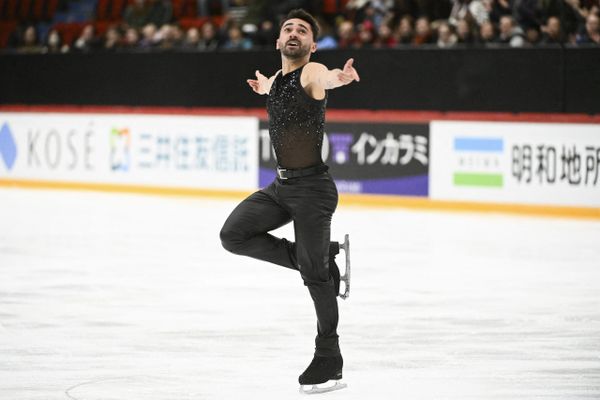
(230, 240)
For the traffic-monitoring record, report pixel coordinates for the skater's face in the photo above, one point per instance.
(296, 39)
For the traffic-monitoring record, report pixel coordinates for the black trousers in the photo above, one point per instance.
(309, 202)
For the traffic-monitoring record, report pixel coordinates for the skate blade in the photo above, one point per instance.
(329, 386)
(346, 277)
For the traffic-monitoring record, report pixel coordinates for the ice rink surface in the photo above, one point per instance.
(112, 296)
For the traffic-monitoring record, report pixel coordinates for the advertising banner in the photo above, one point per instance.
(377, 158)
(503, 162)
(150, 150)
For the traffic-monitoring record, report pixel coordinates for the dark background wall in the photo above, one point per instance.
(552, 80)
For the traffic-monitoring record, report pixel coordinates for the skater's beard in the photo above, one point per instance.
(295, 53)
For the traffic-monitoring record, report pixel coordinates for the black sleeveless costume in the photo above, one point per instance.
(296, 123)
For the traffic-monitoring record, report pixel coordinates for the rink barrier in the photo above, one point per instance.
(351, 200)
(333, 116)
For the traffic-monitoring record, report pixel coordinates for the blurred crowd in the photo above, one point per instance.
(149, 25)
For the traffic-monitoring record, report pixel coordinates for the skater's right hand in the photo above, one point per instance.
(260, 85)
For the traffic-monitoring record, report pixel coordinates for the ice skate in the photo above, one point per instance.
(334, 270)
(322, 375)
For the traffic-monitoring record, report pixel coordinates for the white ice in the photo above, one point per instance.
(113, 296)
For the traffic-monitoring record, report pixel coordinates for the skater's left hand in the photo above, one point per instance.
(348, 73)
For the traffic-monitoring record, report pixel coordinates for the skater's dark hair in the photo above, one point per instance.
(304, 16)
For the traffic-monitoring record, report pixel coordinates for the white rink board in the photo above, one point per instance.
(529, 163)
(147, 150)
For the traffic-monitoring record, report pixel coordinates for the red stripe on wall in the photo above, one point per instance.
(332, 115)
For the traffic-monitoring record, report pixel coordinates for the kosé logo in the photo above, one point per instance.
(8, 147)
(55, 149)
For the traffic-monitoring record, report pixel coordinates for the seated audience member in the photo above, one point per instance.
(209, 40)
(87, 40)
(464, 32)
(445, 37)
(28, 43)
(364, 37)
(480, 10)
(131, 39)
(552, 32)
(326, 39)
(404, 33)
(235, 39)
(267, 34)
(510, 34)
(591, 33)
(54, 43)
(487, 34)
(423, 33)
(532, 36)
(460, 10)
(169, 37)
(112, 39)
(191, 40)
(346, 34)
(148, 40)
(384, 38)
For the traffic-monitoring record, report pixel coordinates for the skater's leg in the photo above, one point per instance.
(313, 261)
(245, 231)
(312, 226)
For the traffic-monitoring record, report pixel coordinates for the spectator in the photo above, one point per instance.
(404, 33)
(137, 14)
(375, 12)
(112, 39)
(86, 41)
(384, 38)
(460, 10)
(464, 32)
(552, 32)
(267, 35)
(422, 32)
(364, 36)
(235, 39)
(445, 37)
(167, 38)
(480, 10)
(326, 40)
(487, 34)
(131, 39)
(209, 40)
(591, 34)
(192, 39)
(54, 43)
(29, 41)
(510, 34)
(346, 35)
(532, 36)
(149, 39)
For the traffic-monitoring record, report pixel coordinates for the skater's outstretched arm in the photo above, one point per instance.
(262, 84)
(321, 77)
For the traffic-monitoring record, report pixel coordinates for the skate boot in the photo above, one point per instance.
(334, 271)
(322, 375)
